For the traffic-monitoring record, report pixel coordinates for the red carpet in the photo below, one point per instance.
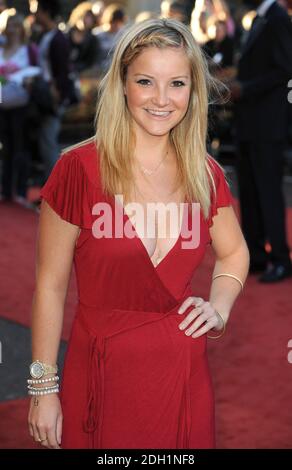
(14, 432)
(251, 373)
(17, 253)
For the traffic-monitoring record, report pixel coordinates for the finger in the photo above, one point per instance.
(59, 429)
(52, 438)
(189, 318)
(30, 427)
(208, 326)
(206, 312)
(40, 434)
(35, 435)
(199, 321)
(199, 301)
(39, 439)
(188, 302)
(45, 443)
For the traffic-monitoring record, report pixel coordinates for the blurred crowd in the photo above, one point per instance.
(41, 61)
(44, 58)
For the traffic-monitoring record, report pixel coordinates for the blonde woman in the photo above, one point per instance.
(136, 373)
(18, 61)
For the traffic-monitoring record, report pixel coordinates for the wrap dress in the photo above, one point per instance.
(131, 378)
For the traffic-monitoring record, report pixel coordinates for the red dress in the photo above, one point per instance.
(131, 378)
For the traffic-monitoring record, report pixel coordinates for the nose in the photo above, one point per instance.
(161, 97)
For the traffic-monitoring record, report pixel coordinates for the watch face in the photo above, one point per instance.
(36, 370)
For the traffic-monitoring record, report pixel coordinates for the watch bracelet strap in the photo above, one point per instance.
(48, 368)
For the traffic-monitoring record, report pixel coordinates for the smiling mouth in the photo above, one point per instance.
(153, 112)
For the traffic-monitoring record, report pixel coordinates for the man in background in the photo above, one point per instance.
(262, 116)
(54, 63)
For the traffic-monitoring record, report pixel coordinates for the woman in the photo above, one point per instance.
(17, 62)
(136, 373)
(84, 48)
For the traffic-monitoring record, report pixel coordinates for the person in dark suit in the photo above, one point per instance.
(221, 48)
(55, 71)
(262, 110)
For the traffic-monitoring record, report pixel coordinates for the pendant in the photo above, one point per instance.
(146, 172)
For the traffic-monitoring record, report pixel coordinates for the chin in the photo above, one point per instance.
(157, 133)
(155, 130)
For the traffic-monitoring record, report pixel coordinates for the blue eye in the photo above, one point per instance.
(142, 82)
(146, 82)
(179, 83)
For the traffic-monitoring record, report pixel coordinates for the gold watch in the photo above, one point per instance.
(38, 369)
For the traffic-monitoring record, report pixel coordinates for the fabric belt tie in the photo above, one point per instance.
(92, 422)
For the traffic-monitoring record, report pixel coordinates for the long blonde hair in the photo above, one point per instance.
(115, 140)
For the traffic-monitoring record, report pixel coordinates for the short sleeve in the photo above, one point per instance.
(69, 192)
(223, 197)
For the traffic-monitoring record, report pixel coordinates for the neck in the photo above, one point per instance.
(150, 150)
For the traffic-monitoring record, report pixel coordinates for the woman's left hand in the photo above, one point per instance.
(203, 314)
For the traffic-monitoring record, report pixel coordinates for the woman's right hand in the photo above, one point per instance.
(45, 420)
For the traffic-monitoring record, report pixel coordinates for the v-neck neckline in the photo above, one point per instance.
(141, 244)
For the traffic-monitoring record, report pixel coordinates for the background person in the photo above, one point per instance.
(262, 126)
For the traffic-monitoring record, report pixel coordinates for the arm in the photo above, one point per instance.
(55, 250)
(232, 257)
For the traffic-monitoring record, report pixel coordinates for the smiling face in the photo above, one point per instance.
(157, 87)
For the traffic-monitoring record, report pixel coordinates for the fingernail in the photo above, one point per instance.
(179, 310)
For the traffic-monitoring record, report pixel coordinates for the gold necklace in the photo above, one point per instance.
(148, 172)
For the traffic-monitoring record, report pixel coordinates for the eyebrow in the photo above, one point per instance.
(173, 78)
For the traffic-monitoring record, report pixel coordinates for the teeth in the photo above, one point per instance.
(158, 113)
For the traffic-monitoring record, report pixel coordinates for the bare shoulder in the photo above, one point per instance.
(225, 231)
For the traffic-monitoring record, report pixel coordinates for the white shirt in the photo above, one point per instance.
(20, 58)
(20, 63)
(264, 6)
(44, 60)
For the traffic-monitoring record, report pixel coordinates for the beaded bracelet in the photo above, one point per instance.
(223, 329)
(45, 392)
(30, 387)
(55, 378)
